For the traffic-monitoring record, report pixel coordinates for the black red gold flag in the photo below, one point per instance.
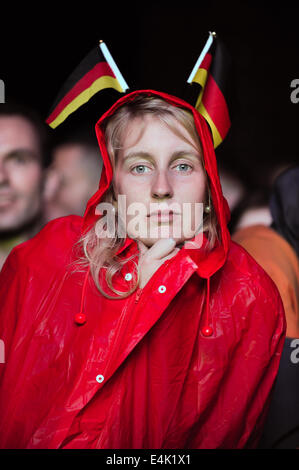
(94, 73)
(212, 75)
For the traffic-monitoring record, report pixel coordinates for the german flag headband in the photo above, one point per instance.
(98, 71)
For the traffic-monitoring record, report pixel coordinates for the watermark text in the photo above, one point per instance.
(2, 91)
(295, 354)
(152, 221)
(295, 93)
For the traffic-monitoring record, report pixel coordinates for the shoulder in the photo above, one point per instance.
(250, 279)
(243, 262)
(52, 245)
(248, 296)
(257, 237)
(270, 250)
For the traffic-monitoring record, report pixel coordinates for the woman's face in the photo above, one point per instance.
(158, 170)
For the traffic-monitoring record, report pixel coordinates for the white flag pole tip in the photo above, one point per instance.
(113, 66)
(207, 46)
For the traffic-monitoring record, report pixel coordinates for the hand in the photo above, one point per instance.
(152, 258)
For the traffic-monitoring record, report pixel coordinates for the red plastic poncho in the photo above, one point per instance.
(139, 373)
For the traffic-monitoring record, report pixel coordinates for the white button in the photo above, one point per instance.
(128, 277)
(162, 289)
(99, 378)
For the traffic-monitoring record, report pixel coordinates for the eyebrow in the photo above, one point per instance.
(175, 156)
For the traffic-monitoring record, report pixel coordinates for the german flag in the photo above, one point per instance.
(94, 73)
(212, 75)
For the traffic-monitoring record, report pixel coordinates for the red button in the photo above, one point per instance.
(80, 318)
(207, 331)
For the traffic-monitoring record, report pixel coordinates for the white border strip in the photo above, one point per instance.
(201, 57)
(113, 66)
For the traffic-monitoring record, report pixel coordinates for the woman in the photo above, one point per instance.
(165, 338)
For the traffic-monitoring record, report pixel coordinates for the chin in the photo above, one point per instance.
(163, 232)
(149, 242)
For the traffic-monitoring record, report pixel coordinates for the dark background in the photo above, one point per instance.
(155, 45)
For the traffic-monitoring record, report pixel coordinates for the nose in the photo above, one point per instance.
(161, 187)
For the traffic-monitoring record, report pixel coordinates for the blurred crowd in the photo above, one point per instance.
(42, 178)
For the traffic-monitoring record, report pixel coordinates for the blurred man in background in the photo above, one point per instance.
(24, 155)
(72, 178)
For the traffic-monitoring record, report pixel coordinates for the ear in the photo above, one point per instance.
(51, 184)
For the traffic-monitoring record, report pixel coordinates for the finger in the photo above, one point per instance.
(172, 254)
(161, 248)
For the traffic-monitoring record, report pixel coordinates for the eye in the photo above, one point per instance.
(184, 167)
(140, 169)
(19, 158)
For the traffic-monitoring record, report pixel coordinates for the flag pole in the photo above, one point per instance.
(113, 66)
(207, 46)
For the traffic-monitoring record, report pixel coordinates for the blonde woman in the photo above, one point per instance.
(140, 325)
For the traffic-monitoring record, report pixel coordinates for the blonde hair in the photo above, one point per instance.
(101, 252)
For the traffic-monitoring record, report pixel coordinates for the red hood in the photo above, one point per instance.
(217, 256)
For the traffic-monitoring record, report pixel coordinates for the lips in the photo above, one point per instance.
(163, 215)
(164, 212)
